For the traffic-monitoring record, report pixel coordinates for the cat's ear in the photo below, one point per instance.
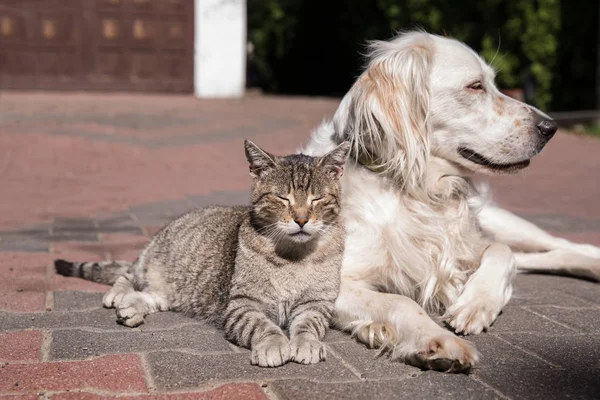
(260, 161)
(335, 160)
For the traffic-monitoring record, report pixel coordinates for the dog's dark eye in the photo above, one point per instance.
(476, 86)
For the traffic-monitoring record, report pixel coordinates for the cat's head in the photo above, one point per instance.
(295, 197)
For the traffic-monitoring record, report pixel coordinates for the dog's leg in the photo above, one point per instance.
(485, 293)
(396, 322)
(560, 262)
(580, 260)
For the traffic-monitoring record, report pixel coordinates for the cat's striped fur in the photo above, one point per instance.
(253, 271)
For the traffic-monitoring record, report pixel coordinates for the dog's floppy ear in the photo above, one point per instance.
(260, 161)
(385, 112)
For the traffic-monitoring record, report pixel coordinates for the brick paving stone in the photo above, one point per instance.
(74, 236)
(151, 230)
(116, 373)
(544, 384)
(497, 353)
(20, 346)
(222, 198)
(517, 319)
(335, 336)
(369, 364)
(574, 352)
(79, 251)
(583, 319)
(429, 385)
(58, 282)
(589, 291)
(77, 301)
(101, 319)
(22, 302)
(233, 391)
(10, 241)
(79, 344)
(74, 225)
(117, 222)
(527, 292)
(177, 370)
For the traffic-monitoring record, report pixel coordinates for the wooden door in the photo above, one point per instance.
(97, 44)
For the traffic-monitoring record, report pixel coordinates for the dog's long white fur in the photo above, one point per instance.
(416, 249)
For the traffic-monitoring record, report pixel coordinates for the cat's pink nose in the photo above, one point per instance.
(301, 221)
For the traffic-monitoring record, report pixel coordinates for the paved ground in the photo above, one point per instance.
(92, 176)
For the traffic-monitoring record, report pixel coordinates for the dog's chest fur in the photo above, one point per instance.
(421, 248)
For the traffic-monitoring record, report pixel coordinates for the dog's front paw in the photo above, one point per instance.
(307, 350)
(273, 351)
(474, 312)
(446, 353)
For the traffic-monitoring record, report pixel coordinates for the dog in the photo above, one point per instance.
(423, 245)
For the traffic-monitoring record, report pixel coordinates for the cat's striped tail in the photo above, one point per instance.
(106, 272)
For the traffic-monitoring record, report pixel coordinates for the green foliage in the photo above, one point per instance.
(518, 37)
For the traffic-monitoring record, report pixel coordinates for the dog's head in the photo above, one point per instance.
(423, 95)
(475, 125)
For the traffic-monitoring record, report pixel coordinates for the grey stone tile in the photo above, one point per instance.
(333, 336)
(80, 344)
(40, 233)
(548, 284)
(369, 363)
(528, 291)
(115, 219)
(546, 384)
(120, 222)
(77, 301)
(497, 353)
(429, 385)
(68, 222)
(584, 319)
(178, 207)
(574, 352)
(517, 319)
(589, 291)
(74, 236)
(152, 214)
(101, 319)
(177, 370)
(20, 242)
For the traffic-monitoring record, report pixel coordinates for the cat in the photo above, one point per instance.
(252, 271)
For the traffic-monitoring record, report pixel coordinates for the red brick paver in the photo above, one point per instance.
(20, 346)
(238, 391)
(121, 373)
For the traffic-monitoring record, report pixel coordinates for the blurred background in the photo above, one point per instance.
(545, 51)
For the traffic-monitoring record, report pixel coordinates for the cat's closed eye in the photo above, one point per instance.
(285, 199)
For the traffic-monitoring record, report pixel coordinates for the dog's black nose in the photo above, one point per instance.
(547, 128)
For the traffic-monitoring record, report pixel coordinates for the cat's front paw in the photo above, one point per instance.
(273, 351)
(307, 350)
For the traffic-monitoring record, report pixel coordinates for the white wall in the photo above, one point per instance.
(220, 48)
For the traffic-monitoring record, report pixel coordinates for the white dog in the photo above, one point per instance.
(423, 117)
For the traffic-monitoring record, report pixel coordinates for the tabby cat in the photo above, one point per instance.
(252, 271)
